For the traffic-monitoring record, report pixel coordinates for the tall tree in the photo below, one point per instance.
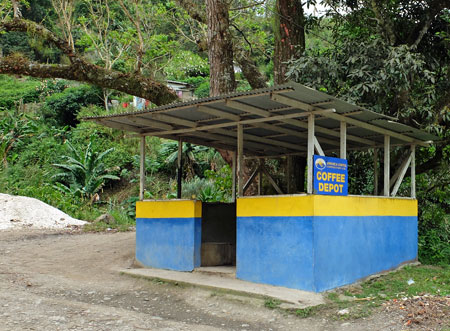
(220, 48)
(289, 36)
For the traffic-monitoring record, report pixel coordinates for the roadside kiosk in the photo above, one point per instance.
(316, 240)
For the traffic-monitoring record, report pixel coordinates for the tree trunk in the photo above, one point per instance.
(250, 71)
(289, 36)
(220, 48)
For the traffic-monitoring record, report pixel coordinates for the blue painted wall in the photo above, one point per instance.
(349, 248)
(275, 250)
(169, 243)
(317, 253)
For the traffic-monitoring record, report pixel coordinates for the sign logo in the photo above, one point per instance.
(330, 175)
(320, 163)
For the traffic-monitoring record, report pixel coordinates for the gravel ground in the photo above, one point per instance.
(69, 281)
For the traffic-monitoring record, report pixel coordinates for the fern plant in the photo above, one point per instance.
(83, 174)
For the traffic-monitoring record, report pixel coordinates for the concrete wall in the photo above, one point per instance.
(318, 242)
(168, 234)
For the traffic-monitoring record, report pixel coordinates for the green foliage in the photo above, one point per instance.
(84, 173)
(211, 194)
(223, 182)
(15, 131)
(193, 189)
(14, 90)
(434, 216)
(202, 91)
(427, 279)
(62, 108)
(122, 222)
(187, 64)
(272, 303)
(305, 312)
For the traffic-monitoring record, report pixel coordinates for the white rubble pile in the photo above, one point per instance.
(24, 212)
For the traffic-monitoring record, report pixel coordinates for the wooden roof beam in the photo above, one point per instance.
(119, 125)
(230, 124)
(261, 112)
(338, 117)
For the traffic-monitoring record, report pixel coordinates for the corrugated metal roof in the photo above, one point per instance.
(274, 119)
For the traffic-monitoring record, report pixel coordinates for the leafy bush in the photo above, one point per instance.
(62, 108)
(83, 174)
(202, 91)
(434, 218)
(223, 183)
(13, 90)
(15, 131)
(193, 188)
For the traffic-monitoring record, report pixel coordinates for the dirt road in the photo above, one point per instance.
(62, 281)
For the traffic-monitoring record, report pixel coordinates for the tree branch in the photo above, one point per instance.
(193, 9)
(250, 71)
(384, 22)
(79, 69)
(248, 6)
(82, 71)
(38, 30)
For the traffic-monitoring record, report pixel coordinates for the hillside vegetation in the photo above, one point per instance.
(389, 56)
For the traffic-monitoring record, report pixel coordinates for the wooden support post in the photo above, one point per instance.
(250, 180)
(310, 153)
(260, 183)
(375, 171)
(179, 168)
(387, 143)
(233, 175)
(343, 144)
(142, 170)
(271, 180)
(289, 174)
(240, 159)
(413, 171)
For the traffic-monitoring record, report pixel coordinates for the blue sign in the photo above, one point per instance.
(330, 175)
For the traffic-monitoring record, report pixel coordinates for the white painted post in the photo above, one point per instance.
(375, 171)
(233, 175)
(142, 170)
(387, 143)
(310, 153)
(179, 168)
(413, 171)
(318, 148)
(343, 152)
(240, 159)
(401, 174)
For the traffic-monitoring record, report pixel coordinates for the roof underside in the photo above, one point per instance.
(275, 122)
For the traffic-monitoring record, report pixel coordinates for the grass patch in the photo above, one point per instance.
(427, 279)
(272, 303)
(305, 312)
(121, 223)
(363, 299)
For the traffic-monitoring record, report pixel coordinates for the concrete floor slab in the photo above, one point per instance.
(295, 298)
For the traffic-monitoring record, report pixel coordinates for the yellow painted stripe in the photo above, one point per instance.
(322, 205)
(168, 209)
(363, 206)
(276, 206)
